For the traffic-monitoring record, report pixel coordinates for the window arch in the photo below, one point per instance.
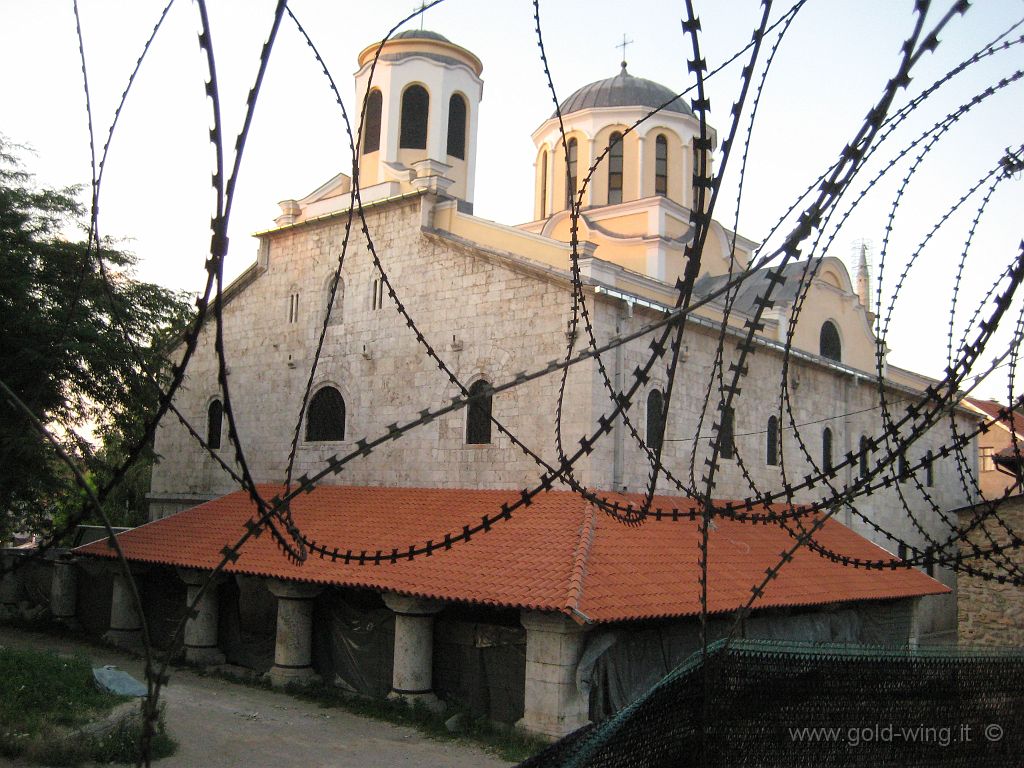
(864, 450)
(571, 170)
(726, 433)
(826, 449)
(772, 441)
(457, 126)
(371, 132)
(214, 421)
(929, 469)
(661, 165)
(615, 169)
(655, 419)
(543, 183)
(478, 414)
(415, 108)
(829, 344)
(325, 418)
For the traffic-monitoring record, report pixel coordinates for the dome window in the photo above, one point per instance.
(661, 166)
(326, 418)
(415, 107)
(829, 344)
(371, 131)
(615, 169)
(544, 184)
(457, 127)
(571, 169)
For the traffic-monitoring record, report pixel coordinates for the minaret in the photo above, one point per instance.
(863, 275)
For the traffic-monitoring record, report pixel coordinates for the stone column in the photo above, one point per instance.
(201, 628)
(412, 677)
(293, 651)
(64, 590)
(125, 622)
(554, 706)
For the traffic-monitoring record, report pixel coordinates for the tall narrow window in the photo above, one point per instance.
(214, 418)
(457, 127)
(338, 305)
(325, 418)
(826, 450)
(371, 133)
(772, 437)
(903, 467)
(864, 450)
(726, 433)
(293, 307)
(615, 169)
(478, 414)
(829, 344)
(929, 470)
(661, 166)
(544, 184)
(570, 165)
(655, 419)
(377, 294)
(415, 107)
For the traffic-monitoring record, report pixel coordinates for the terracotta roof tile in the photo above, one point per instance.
(558, 554)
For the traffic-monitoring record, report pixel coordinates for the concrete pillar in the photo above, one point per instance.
(413, 673)
(554, 705)
(125, 622)
(201, 628)
(293, 651)
(64, 590)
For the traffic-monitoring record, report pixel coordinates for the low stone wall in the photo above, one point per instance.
(990, 613)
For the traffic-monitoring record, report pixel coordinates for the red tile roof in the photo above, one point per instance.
(558, 554)
(991, 409)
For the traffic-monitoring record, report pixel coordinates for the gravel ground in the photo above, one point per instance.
(219, 724)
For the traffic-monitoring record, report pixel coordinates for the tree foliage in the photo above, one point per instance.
(80, 345)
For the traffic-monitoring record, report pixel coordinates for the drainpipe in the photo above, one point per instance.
(618, 429)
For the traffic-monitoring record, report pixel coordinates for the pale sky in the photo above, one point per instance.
(829, 70)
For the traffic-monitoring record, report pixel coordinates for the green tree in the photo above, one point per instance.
(79, 345)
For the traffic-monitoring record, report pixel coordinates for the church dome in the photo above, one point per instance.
(624, 90)
(420, 34)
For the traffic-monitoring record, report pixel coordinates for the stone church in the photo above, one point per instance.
(559, 601)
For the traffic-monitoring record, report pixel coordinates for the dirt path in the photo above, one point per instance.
(219, 724)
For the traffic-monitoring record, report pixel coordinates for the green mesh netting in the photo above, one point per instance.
(758, 703)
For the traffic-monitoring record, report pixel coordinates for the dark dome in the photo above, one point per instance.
(420, 34)
(624, 90)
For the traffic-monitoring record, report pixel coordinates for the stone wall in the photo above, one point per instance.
(990, 613)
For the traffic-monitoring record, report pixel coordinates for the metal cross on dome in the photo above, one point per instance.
(422, 9)
(623, 45)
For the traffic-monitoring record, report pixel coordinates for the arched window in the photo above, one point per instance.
(570, 164)
(615, 169)
(478, 414)
(864, 450)
(338, 305)
(829, 344)
(661, 165)
(214, 418)
(929, 470)
(655, 419)
(727, 433)
(544, 184)
(415, 107)
(826, 450)
(772, 438)
(325, 419)
(903, 467)
(371, 133)
(457, 126)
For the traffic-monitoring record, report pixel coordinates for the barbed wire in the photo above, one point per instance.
(880, 464)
